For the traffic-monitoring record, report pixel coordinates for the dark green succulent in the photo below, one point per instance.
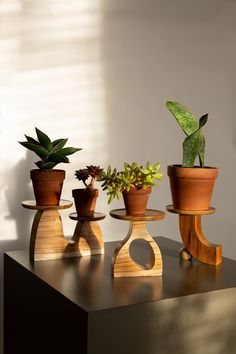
(51, 153)
(194, 143)
(133, 176)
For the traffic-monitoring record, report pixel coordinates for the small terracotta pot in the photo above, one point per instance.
(85, 201)
(191, 187)
(136, 201)
(47, 186)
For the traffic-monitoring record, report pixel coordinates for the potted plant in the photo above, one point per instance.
(47, 181)
(134, 183)
(191, 186)
(85, 198)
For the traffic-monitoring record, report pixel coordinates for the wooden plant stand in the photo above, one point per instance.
(122, 264)
(88, 235)
(47, 239)
(195, 243)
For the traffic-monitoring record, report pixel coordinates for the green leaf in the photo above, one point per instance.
(156, 166)
(55, 142)
(57, 158)
(184, 117)
(39, 150)
(193, 146)
(68, 151)
(203, 120)
(48, 165)
(44, 140)
(60, 144)
(32, 140)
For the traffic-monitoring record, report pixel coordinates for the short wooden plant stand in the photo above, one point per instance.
(47, 239)
(195, 243)
(87, 234)
(122, 264)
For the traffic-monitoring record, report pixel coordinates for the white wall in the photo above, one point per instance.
(99, 72)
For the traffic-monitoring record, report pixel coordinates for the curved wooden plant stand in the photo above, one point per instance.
(195, 243)
(122, 264)
(88, 235)
(47, 238)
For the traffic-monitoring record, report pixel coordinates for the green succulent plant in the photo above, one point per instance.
(51, 153)
(133, 176)
(194, 143)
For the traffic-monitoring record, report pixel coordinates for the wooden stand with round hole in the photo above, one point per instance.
(88, 235)
(122, 263)
(195, 243)
(47, 238)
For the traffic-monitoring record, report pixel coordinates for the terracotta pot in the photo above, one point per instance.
(85, 201)
(191, 187)
(136, 201)
(47, 186)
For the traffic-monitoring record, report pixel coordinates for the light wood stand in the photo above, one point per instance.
(47, 239)
(87, 234)
(195, 243)
(122, 264)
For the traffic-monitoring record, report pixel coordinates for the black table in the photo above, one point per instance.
(74, 305)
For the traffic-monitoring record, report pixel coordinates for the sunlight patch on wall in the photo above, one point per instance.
(51, 77)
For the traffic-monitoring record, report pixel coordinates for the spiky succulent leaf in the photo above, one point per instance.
(39, 150)
(187, 121)
(193, 146)
(57, 158)
(55, 142)
(68, 151)
(44, 140)
(58, 144)
(32, 140)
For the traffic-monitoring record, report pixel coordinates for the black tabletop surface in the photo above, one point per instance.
(87, 281)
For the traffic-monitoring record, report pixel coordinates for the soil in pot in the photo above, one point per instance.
(85, 201)
(191, 187)
(136, 201)
(47, 186)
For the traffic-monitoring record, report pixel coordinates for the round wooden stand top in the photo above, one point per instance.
(150, 215)
(171, 209)
(95, 217)
(31, 204)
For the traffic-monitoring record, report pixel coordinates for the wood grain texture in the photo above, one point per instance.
(124, 266)
(87, 238)
(150, 215)
(47, 239)
(171, 209)
(31, 204)
(195, 241)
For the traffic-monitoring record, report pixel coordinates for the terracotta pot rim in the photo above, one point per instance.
(47, 171)
(192, 172)
(83, 190)
(193, 168)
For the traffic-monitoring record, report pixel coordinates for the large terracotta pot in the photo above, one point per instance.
(136, 201)
(191, 187)
(47, 186)
(85, 201)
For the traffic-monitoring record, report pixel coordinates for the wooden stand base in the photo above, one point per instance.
(47, 239)
(123, 265)
(88, 235)
(195, 243)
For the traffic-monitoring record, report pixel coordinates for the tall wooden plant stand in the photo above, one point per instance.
(195, 243)
(122, 264)
(87, 234)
